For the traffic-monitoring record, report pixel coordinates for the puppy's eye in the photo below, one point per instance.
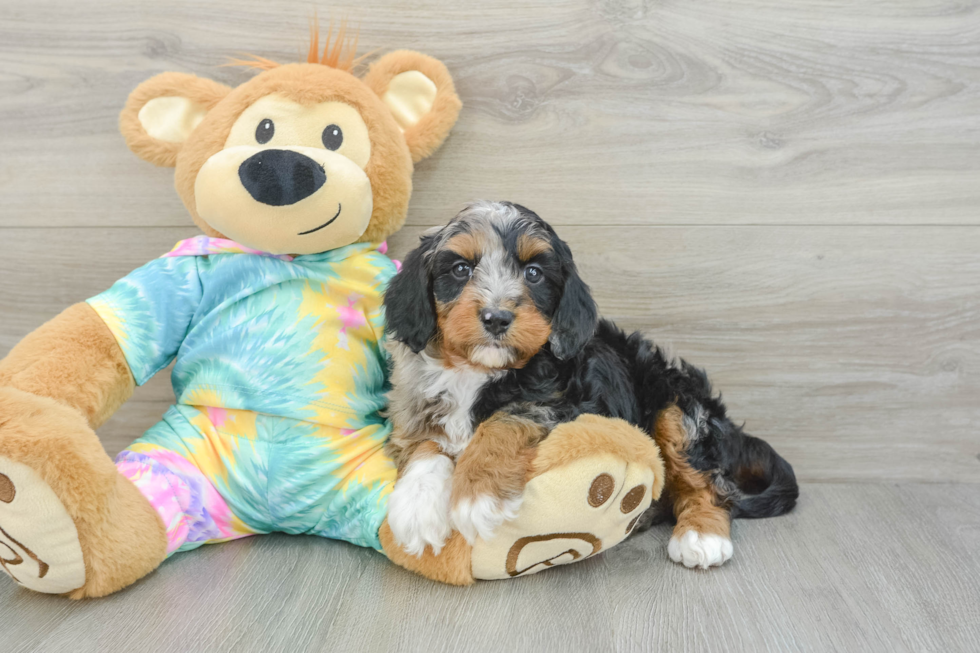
(264, 132)
(333, 137)
(533, 274)
(462, 270)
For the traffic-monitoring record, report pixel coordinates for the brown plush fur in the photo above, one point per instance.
(691, 491)
(390, 166)
(122, 537)
(75, 360)
(453, 565)
(161, 153)
(496, 460)
(425, 137)
(69, 376)
(589, 435)
(392, 153)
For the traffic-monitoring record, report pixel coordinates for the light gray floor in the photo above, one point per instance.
(855, 568)
(786, 191)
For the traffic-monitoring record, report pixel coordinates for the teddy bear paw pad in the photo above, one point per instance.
(569, 513)
(39, 545)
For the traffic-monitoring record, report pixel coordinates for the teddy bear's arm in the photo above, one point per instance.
(74, 359)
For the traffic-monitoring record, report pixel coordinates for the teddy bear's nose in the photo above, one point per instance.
(281, 177)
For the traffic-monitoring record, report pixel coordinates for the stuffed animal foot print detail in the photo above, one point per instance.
(39, 545)
(69, 522)
(586, 486)
(593, 478)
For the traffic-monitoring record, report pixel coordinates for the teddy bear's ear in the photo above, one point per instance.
(163, 111)
(419, 92)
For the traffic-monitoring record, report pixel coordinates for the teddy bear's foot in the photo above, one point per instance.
(69, 522)
(588, 484)
(46, 555)
(591, 479)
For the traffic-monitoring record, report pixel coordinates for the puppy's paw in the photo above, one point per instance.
(418, 509)
(693, 549)
(480, 516)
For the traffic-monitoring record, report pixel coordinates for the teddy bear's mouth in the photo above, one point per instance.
(325, 224)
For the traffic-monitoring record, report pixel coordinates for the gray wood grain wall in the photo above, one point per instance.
(787, 193)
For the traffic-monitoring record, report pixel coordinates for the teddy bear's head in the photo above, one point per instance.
(303, 158)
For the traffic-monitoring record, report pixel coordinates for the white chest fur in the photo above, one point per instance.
(454, 391)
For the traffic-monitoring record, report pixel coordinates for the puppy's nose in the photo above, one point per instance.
(496, 321)
(281, 177)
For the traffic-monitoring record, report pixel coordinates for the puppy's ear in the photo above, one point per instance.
(419, 92)
(163, 111)
(410, 315)
(575, 321)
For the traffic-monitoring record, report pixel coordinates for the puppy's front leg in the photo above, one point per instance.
(418, 509)
(491, 473)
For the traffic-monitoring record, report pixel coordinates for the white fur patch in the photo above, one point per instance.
(418, 509)
(457, 388)
(694, 549)
(496, 357)
(481, 516)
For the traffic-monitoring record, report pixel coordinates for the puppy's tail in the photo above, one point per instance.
(765, 480)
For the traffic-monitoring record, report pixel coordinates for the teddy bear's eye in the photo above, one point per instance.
(264, 132)
(333, 137)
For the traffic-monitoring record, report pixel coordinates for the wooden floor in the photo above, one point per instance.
(855, 568)
(785, 191)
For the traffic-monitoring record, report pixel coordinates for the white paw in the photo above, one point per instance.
(418, 509)
(693, 549)
(482, 515)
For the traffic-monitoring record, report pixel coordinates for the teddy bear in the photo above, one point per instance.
(273, 320)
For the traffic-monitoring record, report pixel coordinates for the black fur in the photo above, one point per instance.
(410, 314)
(576, 318)
(591, 366)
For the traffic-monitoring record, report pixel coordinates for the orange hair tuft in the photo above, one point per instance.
(342, 56)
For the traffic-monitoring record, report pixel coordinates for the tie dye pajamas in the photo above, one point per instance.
(279, 377)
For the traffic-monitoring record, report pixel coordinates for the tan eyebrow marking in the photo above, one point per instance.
(469, 246)
(528, 247)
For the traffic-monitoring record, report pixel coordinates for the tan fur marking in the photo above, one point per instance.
(469, 246)
(460, 326)
(695, 501)
(495, 461)
(528, 334)
(528, 247)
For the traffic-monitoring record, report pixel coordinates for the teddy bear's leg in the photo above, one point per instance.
(69, 522)
(588, 484)
(192, 472)
(584, 489)
(453, 565)
(702, 535)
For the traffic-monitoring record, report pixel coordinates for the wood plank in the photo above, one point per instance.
(855, 567)
(596, 113)
(855, 352)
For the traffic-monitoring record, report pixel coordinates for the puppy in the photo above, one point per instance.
(494, 340)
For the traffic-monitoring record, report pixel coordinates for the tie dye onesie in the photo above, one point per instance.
(279, 379)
